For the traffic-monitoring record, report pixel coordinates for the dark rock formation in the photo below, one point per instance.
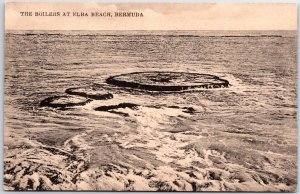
(115, 108)
(112, 108)
(167, 81)
(91, 92)
(190, 110)
(50, 101)
(121, 105)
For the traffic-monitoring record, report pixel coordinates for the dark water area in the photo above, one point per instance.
(240, 138)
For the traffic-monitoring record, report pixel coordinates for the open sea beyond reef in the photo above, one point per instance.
(240, 138)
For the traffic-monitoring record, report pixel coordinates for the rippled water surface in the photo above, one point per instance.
(241, 138)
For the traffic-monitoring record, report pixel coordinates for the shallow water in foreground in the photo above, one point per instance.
(241, 138)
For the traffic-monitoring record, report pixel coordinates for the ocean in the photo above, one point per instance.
(240, 138)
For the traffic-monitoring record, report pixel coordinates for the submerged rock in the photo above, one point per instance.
(142, 109)
(64, 101)
(167, 81)
(190, 110)
(121, 105)
(91, 92)
(113, 108)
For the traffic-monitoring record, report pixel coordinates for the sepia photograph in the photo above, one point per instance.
(150, 97)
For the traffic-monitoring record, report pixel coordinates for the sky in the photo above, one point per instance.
(156, 16)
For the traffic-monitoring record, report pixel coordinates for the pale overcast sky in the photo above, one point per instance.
(157, 16)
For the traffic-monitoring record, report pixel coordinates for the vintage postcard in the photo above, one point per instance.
(150, 97)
